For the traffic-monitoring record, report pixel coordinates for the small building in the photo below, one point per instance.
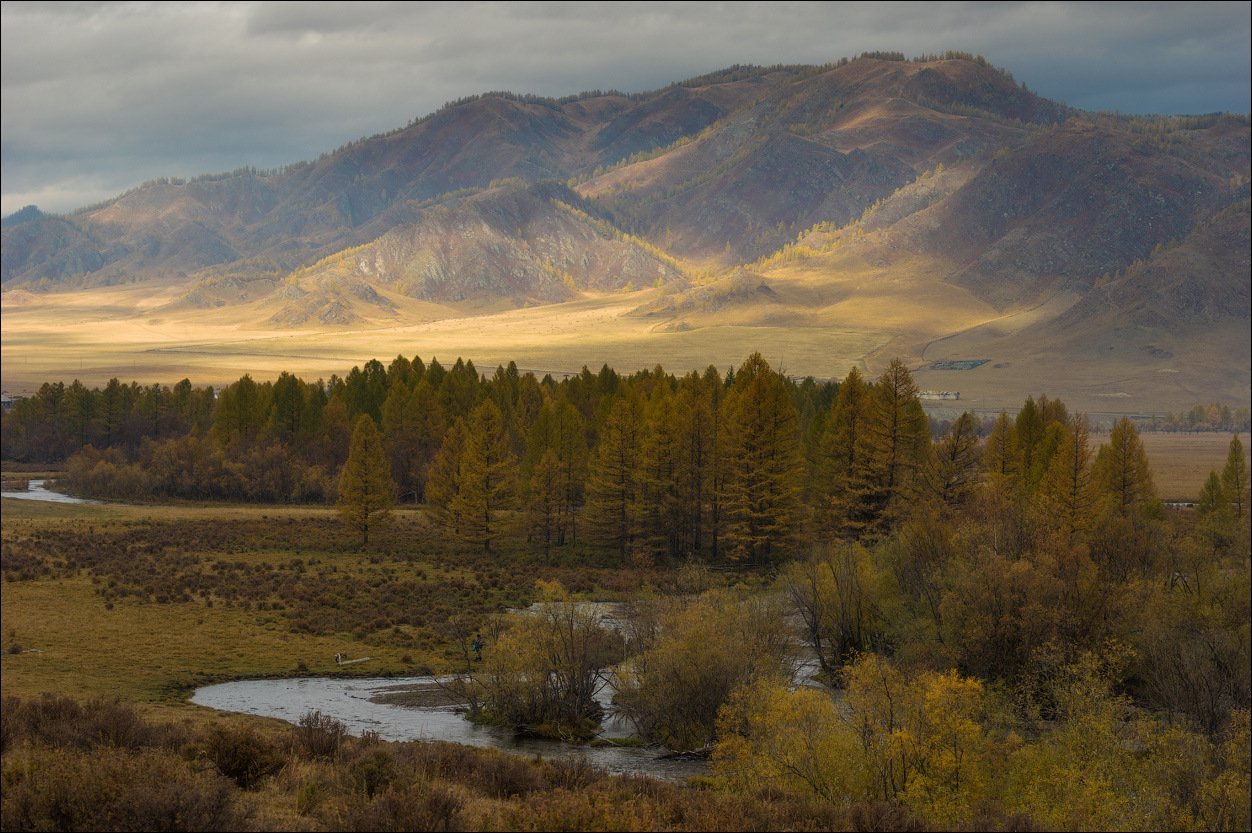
(939, 394)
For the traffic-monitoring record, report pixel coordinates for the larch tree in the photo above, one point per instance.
(613, 486)
(765, 463)
(897, 449)
(957, 460)
(544, 502)
(1121, 471)
(1235, 478)
(366, 491)
(1066, 493)
(841, 444)
(487, 478)
(443, 476)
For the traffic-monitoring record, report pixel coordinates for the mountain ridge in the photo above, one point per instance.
(913, 198)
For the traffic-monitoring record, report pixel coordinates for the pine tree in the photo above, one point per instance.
(487, 478)
(366, 491)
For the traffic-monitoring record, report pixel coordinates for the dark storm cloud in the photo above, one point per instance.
(98, 97)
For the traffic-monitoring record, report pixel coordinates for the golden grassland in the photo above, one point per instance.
(821, 319)
(1182, 462)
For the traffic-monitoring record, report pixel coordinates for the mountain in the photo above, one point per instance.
(933, 204)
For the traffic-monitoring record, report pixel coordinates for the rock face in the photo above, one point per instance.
(536, 200)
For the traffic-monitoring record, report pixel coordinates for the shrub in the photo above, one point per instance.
(114, 789)
(319, 735)
(417, 806)
(243, 755)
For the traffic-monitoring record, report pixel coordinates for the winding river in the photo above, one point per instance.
(362, 705)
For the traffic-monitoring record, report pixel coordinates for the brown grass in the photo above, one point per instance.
(1182, 462)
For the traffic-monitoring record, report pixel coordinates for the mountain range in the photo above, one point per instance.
(936, 204)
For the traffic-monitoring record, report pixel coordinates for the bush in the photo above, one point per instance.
(319, 735)
(243, 755)
(114, 789)
(59, 721)
(417, 806)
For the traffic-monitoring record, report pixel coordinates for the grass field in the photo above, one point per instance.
(145, 603)
(815, 321)
(1182, 462)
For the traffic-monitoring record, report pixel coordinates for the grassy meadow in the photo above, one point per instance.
(144, 603)
(818, 319)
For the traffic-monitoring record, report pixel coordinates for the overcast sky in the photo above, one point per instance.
(98, 97)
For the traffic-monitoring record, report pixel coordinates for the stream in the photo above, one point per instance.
(35, 490)
(361, 704)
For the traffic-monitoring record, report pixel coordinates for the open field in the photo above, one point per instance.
(812, 322)
(146, 602)
(1182, 462)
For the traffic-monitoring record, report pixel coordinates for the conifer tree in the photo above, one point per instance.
(558, 427)
(614, 481)
(544, 504)
(999, 458)
(957, 460)
(1235, 478)
(487, 478)
(1121, 471)
(366, 491)
(841, 444)
(896, 451)
(1066, 496)
(765, 463)
(443, 476)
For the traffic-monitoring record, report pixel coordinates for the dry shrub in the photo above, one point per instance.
(417, 806)
(59, 721)
(573, 774)
(319, 735)
(113, 789)
(372, 772)
(243, 754)
(884, 817)
(501, 775)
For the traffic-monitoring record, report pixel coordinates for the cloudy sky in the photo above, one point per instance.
(98, 97)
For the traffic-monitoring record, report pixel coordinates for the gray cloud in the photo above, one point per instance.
(98, 97)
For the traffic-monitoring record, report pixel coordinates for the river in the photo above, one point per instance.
(361, 705)
(36, 491)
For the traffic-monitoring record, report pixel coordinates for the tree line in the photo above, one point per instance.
(749, 466)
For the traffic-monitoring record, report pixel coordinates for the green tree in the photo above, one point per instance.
(366, 491)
